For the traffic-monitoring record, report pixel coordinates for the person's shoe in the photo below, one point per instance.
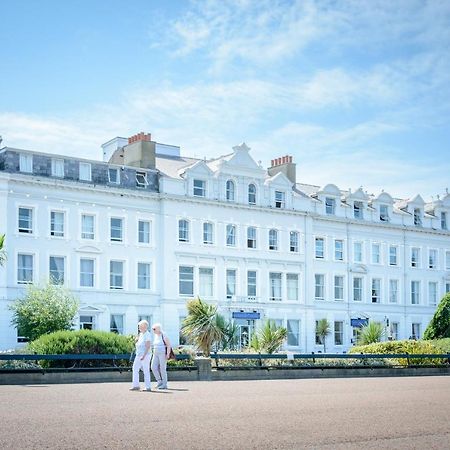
(163, 387)
(134, 389)
(146, 390)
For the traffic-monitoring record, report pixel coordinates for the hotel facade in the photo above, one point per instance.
(138, 234)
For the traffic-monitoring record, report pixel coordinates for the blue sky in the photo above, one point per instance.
(357, 91)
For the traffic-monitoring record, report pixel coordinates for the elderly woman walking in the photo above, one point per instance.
(161, 353)
(142, 358)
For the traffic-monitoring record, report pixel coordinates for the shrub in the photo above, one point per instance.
(371, 333)
(44, 310)
(81, 342)
(442, 344)
(406, 346)
(439, 326)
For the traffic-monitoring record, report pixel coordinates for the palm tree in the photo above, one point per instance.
(269, 337)
(230, 333)
(370, 333)
(2, 250)
(323, 329)
(203, 326)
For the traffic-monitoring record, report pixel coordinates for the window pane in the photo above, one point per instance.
(292, 286)
(231, 235)
(116, 229)
(251, 283)
(116, 275)
(87, 226)
(339, 287)
(338, 333)
(143, 276)
(85, 172)
(273, 240)
(199, 188)
(206, 280)
(56, 270)
(293, 244)
(319, 286)
(24, 269)
(57, 224)
(357, 289)
(231, 283)
(86, 272)
(251, 237)
(144, 232)
(116, 325)
(275, 286)
(183, 231)
(186, 280)
(319, 247)
(230, 190)
(293, 329)
(252, 194)
(25, 220)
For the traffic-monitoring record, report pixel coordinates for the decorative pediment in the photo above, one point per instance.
(199, 168)
(330, 189)
(88, 249)
(384, 197)
(89, 309)
(359, 194)
(241, 158)
(280, 179)
(417, 200)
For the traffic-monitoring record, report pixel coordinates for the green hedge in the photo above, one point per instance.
(81, 342)
(406, 346)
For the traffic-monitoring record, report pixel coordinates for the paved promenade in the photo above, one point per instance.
(368, 413)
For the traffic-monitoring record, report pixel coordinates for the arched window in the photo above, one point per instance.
(252, 194)
(230, 190)
(273, 240)
(183, 230)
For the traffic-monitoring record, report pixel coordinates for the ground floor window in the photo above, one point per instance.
(415, 330)
(181, 337)
(87, 322)
(338, 333)
(293, 328)
(394, 331)
(116, 323)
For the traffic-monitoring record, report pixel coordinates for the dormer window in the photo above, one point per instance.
(384, 213)
(443, 220)
(199, 188)
(230, 190)
(417, 217)
(280, 200)
(85, 171)
(358, 210)
(330, 205)
(114, 175)
(252, 194)
(26, 163)
(141, 179)
(58, 168)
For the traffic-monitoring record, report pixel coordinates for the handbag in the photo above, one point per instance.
(171, 353)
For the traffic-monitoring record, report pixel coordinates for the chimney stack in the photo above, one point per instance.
(283, 164)
(140, 152)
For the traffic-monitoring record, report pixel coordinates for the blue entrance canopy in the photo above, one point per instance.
(245, 315)
(359, 323)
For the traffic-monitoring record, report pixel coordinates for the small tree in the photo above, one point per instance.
(229, 333)
(44, 310)
(268, 338)
(203, 326)
(370, 333)
(439, 326)
(323, 329)
(2, 250)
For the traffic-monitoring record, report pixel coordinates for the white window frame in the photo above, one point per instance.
(230, 273)
(81, 273)
(141, 179)
(199, 191)
(249, 285)
(273, 239)
(53, 233)
(208, 233)
(433, 264)
(184, 232)
(415, 259)
(433, 293)
(316, 252)
(373, 253)
(394, 299)
(321, 286)
(230, 191)
(358, 210)
(30, 229)
(28, 268)
(280, 199)
(294, 241)
(86, 167)
(64, 270)
(26, 163)
(230, 238)
(338, 333)
(391, 263)
(252, 194)
(183, 279)
(292, 286)
(83, 233)
(147, 278)
(376, 291)
(384, 213)
(359, 289)
(339, 289)
(417, 214)
(58, 167)
(361, 252)
(275, 289)
(117, 172)
(338, 253)
(252, 239)
(415, 293)
(122, 230)
(444, 225)
(144, 234)
(330, 206)
(116, 274)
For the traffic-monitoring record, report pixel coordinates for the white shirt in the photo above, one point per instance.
(140, 344)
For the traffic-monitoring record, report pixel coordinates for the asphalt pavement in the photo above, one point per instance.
(353, 413)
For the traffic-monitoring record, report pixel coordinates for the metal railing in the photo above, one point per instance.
(118, 362)
(368, 360)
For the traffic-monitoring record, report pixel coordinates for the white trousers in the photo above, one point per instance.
(139, 364)
(159, 368)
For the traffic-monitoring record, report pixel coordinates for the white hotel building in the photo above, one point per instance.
(137, 235)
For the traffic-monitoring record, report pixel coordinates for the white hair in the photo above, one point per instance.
(157, 325)
(143, 322)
